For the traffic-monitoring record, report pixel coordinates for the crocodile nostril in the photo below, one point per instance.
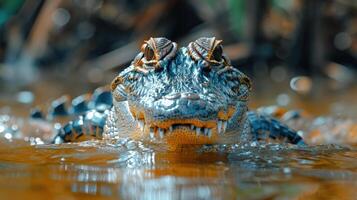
(186, 95)
(172, 96)
(190, 96)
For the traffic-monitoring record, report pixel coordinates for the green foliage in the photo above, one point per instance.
(8, 8)
(237, 15)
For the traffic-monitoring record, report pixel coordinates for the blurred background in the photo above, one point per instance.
(299, 53)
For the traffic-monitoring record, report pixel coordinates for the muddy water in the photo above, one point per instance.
(132, 170)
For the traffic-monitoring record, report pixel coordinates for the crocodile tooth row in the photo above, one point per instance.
(202, 131)
(221, 129)
(161, 132)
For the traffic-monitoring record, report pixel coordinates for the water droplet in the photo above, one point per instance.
(283, 99)
(61, 17)
(339, 72)
(39, 141)
(342, 41)
(25, 97)
(301, 84)
(57, 126)
(8, 136)
(287, 170)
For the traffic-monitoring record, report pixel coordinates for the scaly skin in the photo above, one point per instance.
(178, 96)
(190, 95)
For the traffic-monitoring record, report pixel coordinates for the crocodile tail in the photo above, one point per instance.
(84, 127)
(265, 127)
(79, 119)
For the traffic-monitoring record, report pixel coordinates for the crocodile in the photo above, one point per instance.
(180, 96)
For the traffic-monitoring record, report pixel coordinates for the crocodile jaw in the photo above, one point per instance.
(192, 130)
(124, 121)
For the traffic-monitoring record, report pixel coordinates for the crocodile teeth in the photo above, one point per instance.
(219, 126)
(205, 131)
(198, 130)
(152, 135)
(171, 129)
(141, 125)
(161, 133)
(209, 133)
(224, 126)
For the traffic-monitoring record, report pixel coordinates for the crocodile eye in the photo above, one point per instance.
(155, 53)
(209, 50)
(149, 53)
(217, 53)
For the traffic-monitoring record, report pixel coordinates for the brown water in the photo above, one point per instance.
(133, 170)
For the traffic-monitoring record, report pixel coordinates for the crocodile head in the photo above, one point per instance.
(187, 95)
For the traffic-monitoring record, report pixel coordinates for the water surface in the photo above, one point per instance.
(132, 170)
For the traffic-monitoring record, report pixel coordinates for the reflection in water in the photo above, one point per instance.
(134, 170)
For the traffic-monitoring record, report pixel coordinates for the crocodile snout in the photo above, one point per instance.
(184, 102)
